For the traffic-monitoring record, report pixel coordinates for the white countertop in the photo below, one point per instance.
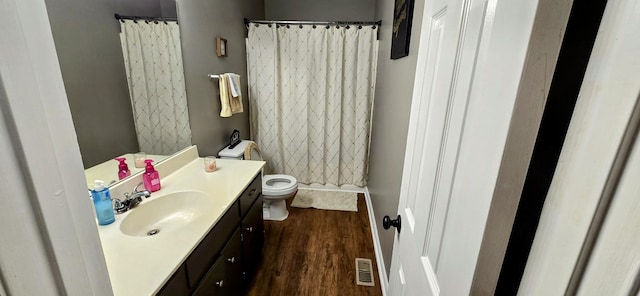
(141, 265)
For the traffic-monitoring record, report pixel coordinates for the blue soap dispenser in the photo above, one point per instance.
(102, 203)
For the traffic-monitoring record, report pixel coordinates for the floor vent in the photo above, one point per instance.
(364, 271)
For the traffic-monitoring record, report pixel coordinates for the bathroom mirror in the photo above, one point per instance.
(108, 170)
(110, 120)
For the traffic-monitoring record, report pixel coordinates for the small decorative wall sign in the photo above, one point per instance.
(221, 46)
(401, 34)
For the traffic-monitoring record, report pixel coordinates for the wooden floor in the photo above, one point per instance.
(313, 253)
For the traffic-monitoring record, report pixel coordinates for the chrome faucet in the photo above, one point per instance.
(131, 200)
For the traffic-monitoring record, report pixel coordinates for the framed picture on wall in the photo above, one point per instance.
(401, 33)
(221, 47)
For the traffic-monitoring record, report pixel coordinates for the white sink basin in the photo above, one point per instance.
(167, 213)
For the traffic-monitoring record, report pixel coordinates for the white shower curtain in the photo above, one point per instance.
(311, 94)
(153, 62)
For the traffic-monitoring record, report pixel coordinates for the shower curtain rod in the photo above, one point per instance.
(247, 21)
(145, 18)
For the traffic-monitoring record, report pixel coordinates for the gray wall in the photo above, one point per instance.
(155, 8)
(88, 47)
(394, 88)
(326, 10)
(200, 22)
(168, 8)
(137, 7)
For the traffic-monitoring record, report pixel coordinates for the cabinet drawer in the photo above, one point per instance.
(250, 194)
(177, 285)
(204, 255)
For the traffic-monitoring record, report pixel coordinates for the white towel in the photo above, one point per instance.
(234, 81)
(225, 100)
(230, 104)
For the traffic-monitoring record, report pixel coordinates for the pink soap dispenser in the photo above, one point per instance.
(123, 168)
(151, 177)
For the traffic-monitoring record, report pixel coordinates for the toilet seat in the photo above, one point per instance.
(275, 185)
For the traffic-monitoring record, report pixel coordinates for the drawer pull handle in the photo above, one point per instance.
(252, 191)
(250, 229)
(232, 259)
(220, 283)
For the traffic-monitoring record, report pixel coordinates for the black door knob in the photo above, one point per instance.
(388, 222)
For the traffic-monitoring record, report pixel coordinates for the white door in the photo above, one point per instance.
(449, 46)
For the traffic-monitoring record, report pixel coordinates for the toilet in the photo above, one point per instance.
(276, 189)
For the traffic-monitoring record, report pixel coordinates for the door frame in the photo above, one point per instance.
(577, 43)
(45, 210)
(573, 207)
(493, 145)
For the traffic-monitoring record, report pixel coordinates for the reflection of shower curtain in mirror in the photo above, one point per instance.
(310, 94)
(153, 60)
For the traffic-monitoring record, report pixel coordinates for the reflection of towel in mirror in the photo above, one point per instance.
(230, 104)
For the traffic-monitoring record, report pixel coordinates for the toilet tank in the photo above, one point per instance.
(237, 152)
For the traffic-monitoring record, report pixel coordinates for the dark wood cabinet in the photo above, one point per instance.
(248, 198)
(202, 258)
(226, 259)
(225, 275)
(177, 285)
(232, 258)
(213, 282)
(252, 239)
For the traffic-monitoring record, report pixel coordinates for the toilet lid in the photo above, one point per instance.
(278, 184)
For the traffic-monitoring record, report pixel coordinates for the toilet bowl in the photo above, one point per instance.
(276, 189)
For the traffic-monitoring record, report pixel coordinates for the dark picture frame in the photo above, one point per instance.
(401, 29)
(221, 47)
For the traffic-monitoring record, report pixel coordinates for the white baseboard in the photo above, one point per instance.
(382, 271)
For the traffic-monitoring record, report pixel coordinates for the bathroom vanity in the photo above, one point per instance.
(221, 266)
(201, 234)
